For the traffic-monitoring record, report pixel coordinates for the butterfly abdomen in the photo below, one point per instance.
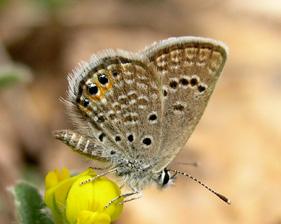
(83, 145)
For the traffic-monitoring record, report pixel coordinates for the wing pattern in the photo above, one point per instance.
(188, 68)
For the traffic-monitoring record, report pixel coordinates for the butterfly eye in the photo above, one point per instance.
(165, 178)
(103, 79)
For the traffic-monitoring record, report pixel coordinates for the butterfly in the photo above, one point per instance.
(136, 111)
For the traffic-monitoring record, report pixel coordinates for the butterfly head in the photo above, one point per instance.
(165, 178)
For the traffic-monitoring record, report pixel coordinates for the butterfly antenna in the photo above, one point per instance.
(222, 197)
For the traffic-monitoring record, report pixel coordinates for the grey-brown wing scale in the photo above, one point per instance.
(188, 69)
(116, 99)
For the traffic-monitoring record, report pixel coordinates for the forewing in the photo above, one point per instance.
(188, 68)
(116, 96)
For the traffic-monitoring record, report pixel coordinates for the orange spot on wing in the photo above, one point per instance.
(103, 89)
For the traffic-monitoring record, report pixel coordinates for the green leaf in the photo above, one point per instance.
(29, 205)
(3, 3)
(13, 74)
(53, 5)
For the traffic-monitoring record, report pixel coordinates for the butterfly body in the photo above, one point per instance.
(137, 110)
(136, 173)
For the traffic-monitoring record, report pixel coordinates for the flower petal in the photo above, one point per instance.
(93, 196)
(106, 190)
(51, 180)
(72, 202)
(80, 197)
(88, 217)
(63, 174)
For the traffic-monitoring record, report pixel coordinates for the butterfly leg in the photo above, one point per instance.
(122, 185)
(131, 199)
(123, 196)
(98, 176)
(100, 168)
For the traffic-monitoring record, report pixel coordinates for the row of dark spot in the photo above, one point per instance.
(152, 118)
(146, 141)
(185, 82)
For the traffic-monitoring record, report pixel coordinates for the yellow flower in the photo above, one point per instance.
(73, 203)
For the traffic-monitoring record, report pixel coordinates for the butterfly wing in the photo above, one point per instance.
(188, 69)
(116, 97)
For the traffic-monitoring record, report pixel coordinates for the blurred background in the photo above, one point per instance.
(237, 143)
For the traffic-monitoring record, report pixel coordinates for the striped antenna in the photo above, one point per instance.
(222, 197)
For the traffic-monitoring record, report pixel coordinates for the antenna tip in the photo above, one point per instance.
(225, 199)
